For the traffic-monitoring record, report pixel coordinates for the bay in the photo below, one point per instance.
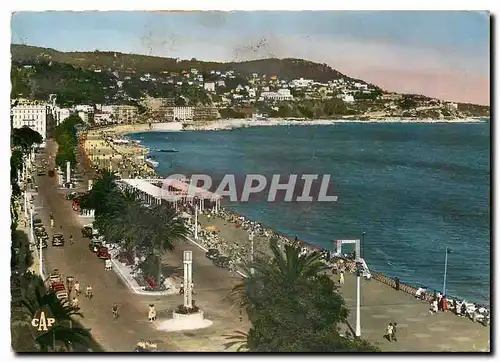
(414, 189)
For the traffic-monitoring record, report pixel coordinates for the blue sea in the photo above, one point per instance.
(413, 189)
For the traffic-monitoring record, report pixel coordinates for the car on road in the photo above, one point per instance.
(55, 276)
(212, 254)
(103, 253)
(57, 239)
(37, 221)
(87, 231)
(222, 261)
(39, 229)
(40, 240)
(71, 196)
(94, 245)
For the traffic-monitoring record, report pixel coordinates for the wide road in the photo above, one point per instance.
(211, 283)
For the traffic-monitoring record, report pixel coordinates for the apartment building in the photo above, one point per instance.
(38, 117)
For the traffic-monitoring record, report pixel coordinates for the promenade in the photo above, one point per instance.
(380, 304)
(418, 331)
(212, 286)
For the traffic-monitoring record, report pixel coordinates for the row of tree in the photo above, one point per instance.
(121, 218)
(67, 140)
(292, 304)
(28, 292)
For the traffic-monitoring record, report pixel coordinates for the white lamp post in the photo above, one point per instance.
(195, 221)
(445, 269)
(358, 299)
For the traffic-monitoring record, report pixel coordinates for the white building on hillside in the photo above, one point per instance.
(38, 117)
(348, 98)
(62, 115)
(209, 86)
(281, 95)
(301, 83)
(84, 108)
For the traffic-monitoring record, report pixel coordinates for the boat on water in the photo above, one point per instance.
(152, 163)
(173, 150)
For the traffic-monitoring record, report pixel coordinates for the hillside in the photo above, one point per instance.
(283, 68)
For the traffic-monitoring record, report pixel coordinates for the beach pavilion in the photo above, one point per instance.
(154, 191)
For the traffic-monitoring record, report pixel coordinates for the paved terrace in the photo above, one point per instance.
(381, 304)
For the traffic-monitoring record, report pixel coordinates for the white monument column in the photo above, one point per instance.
(68, 171)
(188, 278)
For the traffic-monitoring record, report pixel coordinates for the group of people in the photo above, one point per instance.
(76, 287)
(390, 332)
(440, 303)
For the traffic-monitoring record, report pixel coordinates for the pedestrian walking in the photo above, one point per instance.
(88, 292)
(394, 330)
(388, 332)
(152, 313)
(74, 303)
(192, 289)
(396, 283)
(77, 288)
(341, 278)
(181, 289)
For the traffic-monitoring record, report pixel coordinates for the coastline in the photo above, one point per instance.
(231, 237)
(231, 124)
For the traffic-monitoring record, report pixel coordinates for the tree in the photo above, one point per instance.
(63, 332)
(164, 226)
(293, 305)
(25, 138)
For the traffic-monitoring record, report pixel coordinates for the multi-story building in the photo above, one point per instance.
(38, 117)
(84, 116)
(124, 113)
(183, 113)
(280, 95)
(205, 113)
(209, 86)
(102, 118)
(61, 114)
(301, 83)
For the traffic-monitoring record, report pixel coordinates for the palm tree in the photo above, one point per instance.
(163, 228)
(63, 332)
(265, 274)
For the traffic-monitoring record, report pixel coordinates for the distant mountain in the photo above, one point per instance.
(283, 68)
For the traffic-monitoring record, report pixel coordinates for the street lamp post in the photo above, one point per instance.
(445, 269)
(362, 245)
(358, 299)
(195, 221)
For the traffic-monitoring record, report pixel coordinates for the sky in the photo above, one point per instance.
(443, 54)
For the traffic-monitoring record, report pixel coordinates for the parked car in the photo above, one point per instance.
(212, 254)
(58, 239)
(222, 261)
(103, 253)
(87, 231)
(94, 245)
(71, 196)
(55, 276)
(40, 240)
